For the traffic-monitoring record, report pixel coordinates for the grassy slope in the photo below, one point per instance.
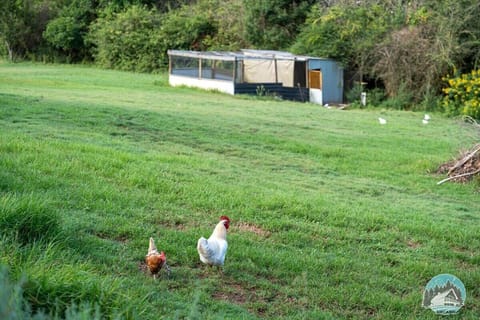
(333, 215)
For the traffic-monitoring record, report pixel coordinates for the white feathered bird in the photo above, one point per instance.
(382, 121)
(212, 251)
(425, 119)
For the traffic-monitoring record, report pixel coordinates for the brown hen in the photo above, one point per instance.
(155, 260)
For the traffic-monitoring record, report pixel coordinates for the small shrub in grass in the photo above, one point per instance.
(402, 101)
(11, 302)
(375, 97)
(55, 281)
(462, 95)
(28, 218)
(85, 311)
(431, 102)
(65, 291)
(14, 307)
(353, 95)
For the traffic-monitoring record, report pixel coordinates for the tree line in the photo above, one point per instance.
(397, 50)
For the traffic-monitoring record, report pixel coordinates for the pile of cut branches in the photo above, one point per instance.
(463, 169)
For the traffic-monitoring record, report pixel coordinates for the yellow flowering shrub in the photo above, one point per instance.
(462, 94)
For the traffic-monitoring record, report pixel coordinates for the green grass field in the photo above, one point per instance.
(334, 216)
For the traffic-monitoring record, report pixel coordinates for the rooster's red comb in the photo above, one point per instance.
(224, 218)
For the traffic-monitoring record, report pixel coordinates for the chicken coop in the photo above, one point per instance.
(259, 72)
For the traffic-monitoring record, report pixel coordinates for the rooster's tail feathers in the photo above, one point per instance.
(151, 247)
(203, 248)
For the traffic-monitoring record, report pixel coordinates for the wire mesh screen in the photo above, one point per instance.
(202, 68)
(185, 66)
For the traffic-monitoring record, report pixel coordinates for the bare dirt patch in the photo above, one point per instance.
(244, 226)
(122, 238)
(256, 298)
(233, 293)
(142, 267)
(173, 223)
(413, 244)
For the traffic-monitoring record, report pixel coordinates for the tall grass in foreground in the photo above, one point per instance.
(13, 305)
(333, 216)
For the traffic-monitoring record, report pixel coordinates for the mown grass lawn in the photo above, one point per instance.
(334, 216)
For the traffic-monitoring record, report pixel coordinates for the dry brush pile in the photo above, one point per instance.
(465, 168)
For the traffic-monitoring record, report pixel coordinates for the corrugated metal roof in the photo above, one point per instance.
(242, 55)
(216, 55)
(273, 54)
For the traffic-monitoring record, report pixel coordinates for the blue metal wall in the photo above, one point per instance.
(332, 79)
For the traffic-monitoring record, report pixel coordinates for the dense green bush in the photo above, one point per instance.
(403, 99)
(21, 26)
(222, 29)
(137, 39)
(189, 28)
(128, 40)
(67, 32)
(403, 45)
(462, 95)
(344, 33)
(61, 32)
(274, 24)
(375, 97)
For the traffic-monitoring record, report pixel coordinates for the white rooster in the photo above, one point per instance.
(212, 251)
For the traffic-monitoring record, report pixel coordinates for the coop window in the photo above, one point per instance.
(217, 69)
(184, 66)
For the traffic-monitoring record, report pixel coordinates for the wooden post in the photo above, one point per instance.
(214, 62)
(169, 64)
(276, 71)
(234, 70)
(243, 70)
(306, 75)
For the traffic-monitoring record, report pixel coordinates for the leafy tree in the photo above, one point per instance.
(13, 28)
(229, 24)
(21, 26)
(274, 24)
(457, 29)
(404, 62)
(188, 28)
(219, 26)
(22, 23)
(128, 40)
(408, 45)
(436, 37)
(345, 33)
(321, 35)
(68, 31)
(207, 25)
